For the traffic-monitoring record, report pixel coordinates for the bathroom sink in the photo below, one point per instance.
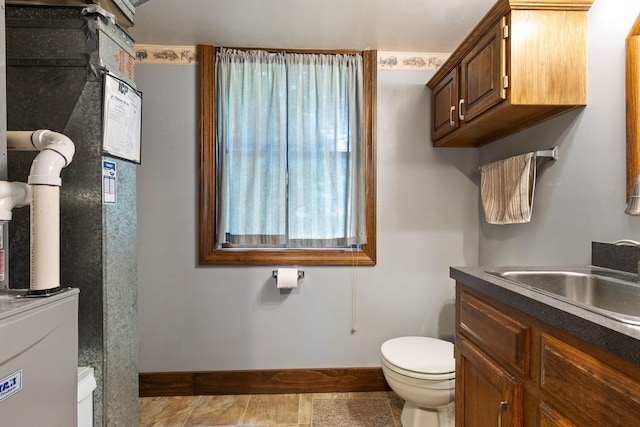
(612, 294)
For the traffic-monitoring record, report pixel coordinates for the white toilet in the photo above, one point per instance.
(421, 371)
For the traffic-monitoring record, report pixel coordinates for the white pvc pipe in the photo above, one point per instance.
(56, 152)
(13, 194)
(45, 237)
(20, 140)
(46, 167)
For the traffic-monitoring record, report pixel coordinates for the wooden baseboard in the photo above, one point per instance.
(328, 380)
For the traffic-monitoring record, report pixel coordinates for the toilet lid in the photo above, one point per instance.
(420, 354)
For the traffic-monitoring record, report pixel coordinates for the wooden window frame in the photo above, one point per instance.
(208, 253)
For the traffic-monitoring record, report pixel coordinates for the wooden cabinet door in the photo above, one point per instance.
(588, 385)
(444, 101)
(486, 395)
(550, 417)
(482, 74)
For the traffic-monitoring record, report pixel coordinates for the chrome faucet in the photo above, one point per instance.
(627, 242)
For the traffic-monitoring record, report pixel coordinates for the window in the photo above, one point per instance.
(280, 238)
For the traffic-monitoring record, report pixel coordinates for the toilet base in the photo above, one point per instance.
(414, 416)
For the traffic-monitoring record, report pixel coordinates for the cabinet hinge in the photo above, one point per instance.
(505, 32)
(505, 82)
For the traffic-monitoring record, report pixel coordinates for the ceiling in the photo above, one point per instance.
(436, 26)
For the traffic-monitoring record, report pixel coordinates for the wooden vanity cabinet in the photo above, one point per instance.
(524, 63)
(492, 360)
(515, 370)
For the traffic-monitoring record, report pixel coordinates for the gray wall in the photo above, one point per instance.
(429, 217)
(221, 318)
(580, 198)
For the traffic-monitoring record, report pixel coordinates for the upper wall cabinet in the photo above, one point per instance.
(525, 62)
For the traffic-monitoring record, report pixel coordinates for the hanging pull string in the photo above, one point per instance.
(354, 304)
(354, 291)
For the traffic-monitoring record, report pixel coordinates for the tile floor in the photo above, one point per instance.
(375, 409)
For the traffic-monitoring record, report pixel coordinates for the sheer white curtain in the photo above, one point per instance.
(298, 116)
(325, 134)
(252, 147)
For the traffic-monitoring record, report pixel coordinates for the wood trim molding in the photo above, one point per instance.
(551, 4)
(326, 380)
(633, 105)
(369, 60)
(206, 122)
(208, 253)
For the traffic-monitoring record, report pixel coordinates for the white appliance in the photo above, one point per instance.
(38, 359)
(86, 385)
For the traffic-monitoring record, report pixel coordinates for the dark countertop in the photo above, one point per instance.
(619, 338)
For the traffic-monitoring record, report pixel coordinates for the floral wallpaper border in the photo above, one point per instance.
(186, 55)
(156, 54)
(410, 60)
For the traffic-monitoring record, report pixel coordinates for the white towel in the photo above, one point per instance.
(507, 187)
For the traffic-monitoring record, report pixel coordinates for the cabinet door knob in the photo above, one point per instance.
(503, 404)
(451, 122)
(460, 103)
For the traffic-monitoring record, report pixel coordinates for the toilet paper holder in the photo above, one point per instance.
(300, 274)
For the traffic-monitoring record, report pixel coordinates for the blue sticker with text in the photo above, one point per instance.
(10, 385)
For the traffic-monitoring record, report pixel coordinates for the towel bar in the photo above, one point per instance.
(551, 153)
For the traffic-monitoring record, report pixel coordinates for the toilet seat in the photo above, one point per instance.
(420, 357)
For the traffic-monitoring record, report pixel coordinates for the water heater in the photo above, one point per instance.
(4, 241)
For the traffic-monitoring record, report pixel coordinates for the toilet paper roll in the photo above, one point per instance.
(287, 278)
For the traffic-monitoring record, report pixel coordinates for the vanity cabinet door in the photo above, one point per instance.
(588, 386)
(486, 394)
(444, 104)
(550, 417)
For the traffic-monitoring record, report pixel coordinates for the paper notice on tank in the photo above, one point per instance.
(122, 116)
